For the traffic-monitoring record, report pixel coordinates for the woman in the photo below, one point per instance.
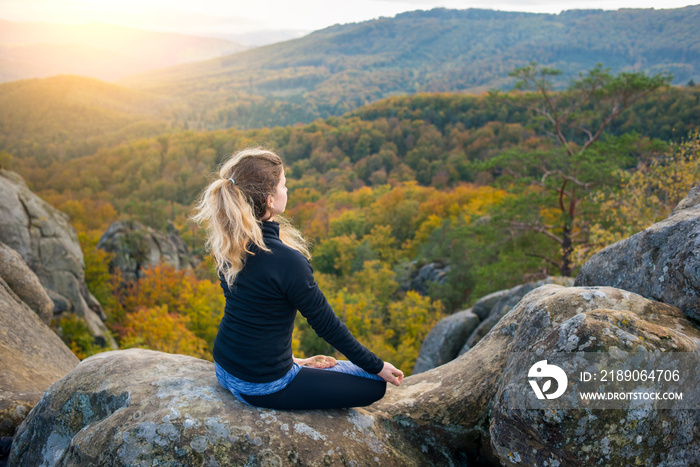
(264, 269)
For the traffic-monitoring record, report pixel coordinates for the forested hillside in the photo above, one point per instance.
(64, 117)
(56, 119)
(448, 179)
(343, 67)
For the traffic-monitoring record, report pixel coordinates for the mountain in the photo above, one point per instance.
(63, 117)
(36, 50)
(345, 66)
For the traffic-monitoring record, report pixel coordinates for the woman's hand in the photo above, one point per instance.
(318, 361)
(391, 374)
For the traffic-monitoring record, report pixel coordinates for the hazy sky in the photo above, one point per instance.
(236, 16)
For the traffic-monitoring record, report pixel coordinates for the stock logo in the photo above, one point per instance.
(552, 372)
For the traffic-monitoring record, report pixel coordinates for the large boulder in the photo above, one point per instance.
(456, 334)
(138, 407)
(454, 405)
(33, 357)
(24, 283)
(137, 246)
(631, 432)
(445, 340)
(49, 245)
(661, 262)
(493, 307)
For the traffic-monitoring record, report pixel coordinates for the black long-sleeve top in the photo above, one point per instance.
(254, 342)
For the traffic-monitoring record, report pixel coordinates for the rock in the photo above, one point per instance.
(138, 407)
(170, 410)
(482, 308)
(634, 435)
(33, 357)
(453, 405)
(49, 245)
(427, 274)
(661, 262)
(445, 340)
(138, 246)
(5, 445)
(692, 200)
(493, 307)
(24, 283)
(465, 348)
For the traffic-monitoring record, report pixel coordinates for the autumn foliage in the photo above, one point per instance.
(381, 192)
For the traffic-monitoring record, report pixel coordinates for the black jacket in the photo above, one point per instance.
(254, 342)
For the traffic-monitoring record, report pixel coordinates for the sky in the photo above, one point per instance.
(231, 17)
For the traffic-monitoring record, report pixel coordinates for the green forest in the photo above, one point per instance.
(502, 187)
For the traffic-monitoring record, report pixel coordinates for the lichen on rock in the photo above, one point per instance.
(661, 262)
(138, 406)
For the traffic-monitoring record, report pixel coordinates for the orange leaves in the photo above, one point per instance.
(85, 214)
(156, 329)
(169, 304)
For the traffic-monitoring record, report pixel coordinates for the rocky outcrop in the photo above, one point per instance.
(24, 283)
(692, 200)
(431, 273)
(32, 355)
(661, 262)
(456, 334)
(455, 405)
(138, 407)
(445, 340)
(172, 411)
(503, 301)
(48, 244)
(638, 434)
(137, 246)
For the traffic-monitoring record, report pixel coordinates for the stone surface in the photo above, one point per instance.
(32, 355)
(431, 273)
(445, 340)
(692, 200)
(49, 245)
(637, 434)
(661, 262)
(493, 307)
(139, 407)
(482, 308)
(172, 411)
(137, 246)
(24, 283)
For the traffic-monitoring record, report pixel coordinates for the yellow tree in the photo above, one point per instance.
(647, 195)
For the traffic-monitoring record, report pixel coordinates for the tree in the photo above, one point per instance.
(575, 118)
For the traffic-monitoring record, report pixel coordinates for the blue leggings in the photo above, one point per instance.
(341, 386)
(315, 388)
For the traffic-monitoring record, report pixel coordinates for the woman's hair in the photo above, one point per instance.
(232, 211)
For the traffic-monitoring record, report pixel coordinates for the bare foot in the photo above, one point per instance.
(318, 361)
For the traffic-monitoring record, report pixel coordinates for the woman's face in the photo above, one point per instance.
(278, 201)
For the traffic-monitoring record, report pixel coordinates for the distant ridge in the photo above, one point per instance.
(339, 68)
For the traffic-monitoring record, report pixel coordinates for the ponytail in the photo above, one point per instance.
(232, 208)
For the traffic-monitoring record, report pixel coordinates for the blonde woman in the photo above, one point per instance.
(263, 265)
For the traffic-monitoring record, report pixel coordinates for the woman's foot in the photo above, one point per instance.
(318, 361)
